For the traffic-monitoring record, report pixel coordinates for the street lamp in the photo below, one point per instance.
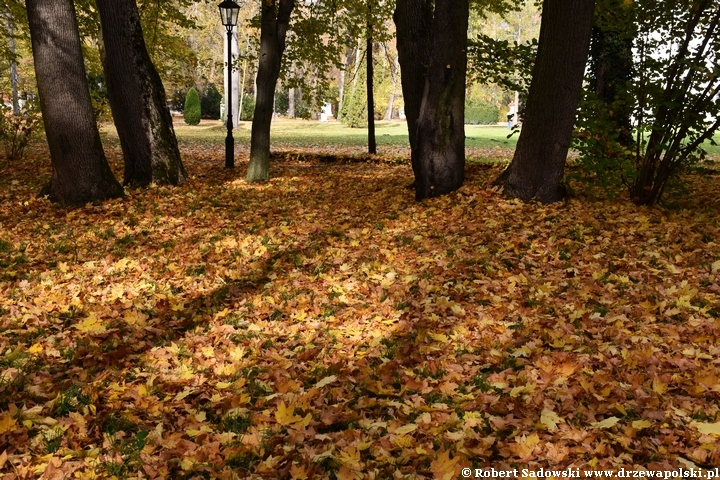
(229, 11)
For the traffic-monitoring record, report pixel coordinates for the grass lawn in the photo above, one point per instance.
(325, 325)
(482, 142)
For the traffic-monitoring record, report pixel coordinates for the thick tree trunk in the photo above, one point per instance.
(440, 144)
(537, 169)
(273, 29)
(372, 146)
(137, 99)
(80, 172)
(413, 20)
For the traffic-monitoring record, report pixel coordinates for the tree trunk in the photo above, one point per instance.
(341, 83)
(413, 20)
(372, 146)
(137, 99)
(440, 143)
(13, 68)
(393, 87)
(611, 62)
(273, 29)
(537, 169)
(80, 172)
(291, 102)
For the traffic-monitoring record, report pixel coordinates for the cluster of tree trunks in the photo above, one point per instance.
(432, 51)
(80, 171)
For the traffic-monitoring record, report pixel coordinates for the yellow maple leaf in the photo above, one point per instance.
(91, 324)
(285, 415)
(550, 419)
(325, 381)
(640, 424)
(704, 428)
(443, 467)
(351, 458)
(659, 386)
(410, 427)
(7, 422)
(607, 423)
(208, 352)
(526, 444)
(298, 472)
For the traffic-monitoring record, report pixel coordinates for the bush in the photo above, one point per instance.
(177, 102)
(193, 109)
(210, 102)
(16, 131)
(248, 108)
(480, 112)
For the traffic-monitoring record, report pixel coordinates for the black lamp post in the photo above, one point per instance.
(229, 11)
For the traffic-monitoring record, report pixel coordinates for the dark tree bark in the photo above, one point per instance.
(432, 51)
(273, 30)
(611, 61)
(80, 172)
(372, 146)
(538, 166)
(413, 20)
(137, 99)
(440, 144)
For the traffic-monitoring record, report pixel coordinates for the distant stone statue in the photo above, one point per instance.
(326, 112)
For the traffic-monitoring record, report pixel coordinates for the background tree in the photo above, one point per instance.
(538, 166)
(603, 134)
(678, 91)
(137, 98)
(80, 172)
(275, 18)
(192, 109)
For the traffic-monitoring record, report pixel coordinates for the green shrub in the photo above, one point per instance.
(210, 102)
(16, 131)
(480, 112)
(192, 111)
(248, 108)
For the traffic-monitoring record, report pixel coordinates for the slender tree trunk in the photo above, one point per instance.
(393, 87)
(341, 84)
(273, 29)
(80, 172)
(537, 169)
(291, 102)
(13, 68)
(440, 144)
(137, 99)
(372, 146)
(413, 20)
(242, 92)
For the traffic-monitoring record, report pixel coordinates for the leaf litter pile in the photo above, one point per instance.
(325, 325)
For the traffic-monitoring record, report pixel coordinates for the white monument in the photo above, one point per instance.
(235, 80)
(326, 112)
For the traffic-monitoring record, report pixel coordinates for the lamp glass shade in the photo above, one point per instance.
(229, 12)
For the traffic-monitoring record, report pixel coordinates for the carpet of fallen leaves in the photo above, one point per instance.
(325, 325)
